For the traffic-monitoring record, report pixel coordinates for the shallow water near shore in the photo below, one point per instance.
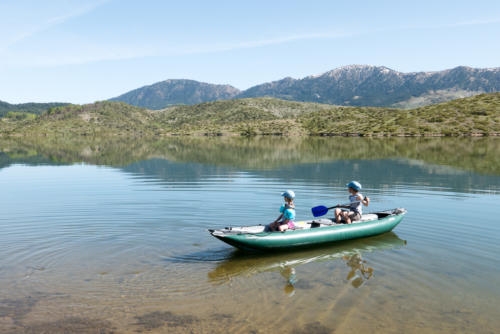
(106, 236)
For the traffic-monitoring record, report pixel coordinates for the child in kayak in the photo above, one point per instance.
(285, 220)
(355, 209)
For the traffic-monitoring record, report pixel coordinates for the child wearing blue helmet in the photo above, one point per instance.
(355, 209)
(285, 220)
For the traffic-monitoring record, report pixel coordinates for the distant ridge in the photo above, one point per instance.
(352, 85)
(365, 85)
(176, 91)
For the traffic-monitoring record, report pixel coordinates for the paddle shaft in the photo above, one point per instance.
(323, 210)
(344, 205)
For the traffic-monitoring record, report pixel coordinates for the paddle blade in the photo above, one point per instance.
(319, 211)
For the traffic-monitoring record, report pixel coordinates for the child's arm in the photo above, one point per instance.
(277, 219)
(365, 201)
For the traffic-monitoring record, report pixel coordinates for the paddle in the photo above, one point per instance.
(323, 210)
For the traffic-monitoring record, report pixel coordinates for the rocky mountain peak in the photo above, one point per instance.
(354, 85)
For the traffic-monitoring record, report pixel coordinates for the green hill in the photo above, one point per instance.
(96, 119)
(264, 116)
(478, 115)
(30, 108)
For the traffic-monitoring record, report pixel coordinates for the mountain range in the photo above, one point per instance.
(353, 85)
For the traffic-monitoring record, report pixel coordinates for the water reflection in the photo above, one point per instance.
(290, 275)
(359, 271)
(458, 164)
(479, 155)
(288, 264)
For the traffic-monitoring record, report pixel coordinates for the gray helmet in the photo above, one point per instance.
(354, 185)
(289, 194)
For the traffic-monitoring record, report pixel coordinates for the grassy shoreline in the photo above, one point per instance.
(474, 116)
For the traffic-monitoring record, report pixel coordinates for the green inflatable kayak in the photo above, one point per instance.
(309, 233)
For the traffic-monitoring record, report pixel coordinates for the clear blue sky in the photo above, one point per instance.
(86, 50)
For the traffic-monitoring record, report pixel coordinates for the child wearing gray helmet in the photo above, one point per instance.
(355, 209)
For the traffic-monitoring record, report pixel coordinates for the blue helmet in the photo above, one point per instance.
(354, 185)
(289, 194)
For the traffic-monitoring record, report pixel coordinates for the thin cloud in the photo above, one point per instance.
(473, 23)
(76, 13)
(443, 26)
(53, 21)
(85, 55)
(256, 43)
(311, 36)
(100, 53)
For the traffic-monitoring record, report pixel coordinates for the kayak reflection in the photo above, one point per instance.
(244, 264)
(358, 274)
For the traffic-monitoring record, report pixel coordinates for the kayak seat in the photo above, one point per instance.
(329, 222)
(322, 222)
(368, 217)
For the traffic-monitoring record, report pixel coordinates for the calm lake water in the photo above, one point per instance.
(110, 236)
